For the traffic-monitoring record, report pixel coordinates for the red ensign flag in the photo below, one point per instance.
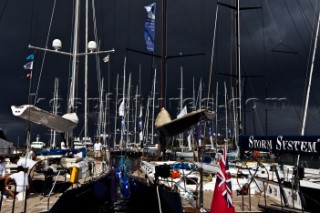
(222, 198)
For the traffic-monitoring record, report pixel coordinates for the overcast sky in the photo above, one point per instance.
(276, 47)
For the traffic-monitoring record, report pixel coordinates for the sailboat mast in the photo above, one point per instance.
(181, 89)
(74, 55)
(124, 103)
(163, 54)
(239, 129)
(128, 140)
(181, 102)
(200, 107)
(216, 120)
(104, 122)
(71, 105)
(138, 102)
(304, 118)
(226, 109)
(116, 115)
(135, 116)
(190, 136)
(86, 75)
(153, 97)
(200, 94)
(55, 108)
(100, 114)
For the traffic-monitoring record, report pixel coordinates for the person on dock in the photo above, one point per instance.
(2, 168)
(24, 162)
(63, 145)
(20, 181)
(97, 150)
(3, 174)
(31, 153)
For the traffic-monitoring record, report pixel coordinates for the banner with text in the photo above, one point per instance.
(278, 144)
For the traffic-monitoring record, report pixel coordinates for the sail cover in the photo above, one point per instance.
(36, 115)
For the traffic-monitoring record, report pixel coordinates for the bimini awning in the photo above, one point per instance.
(36, 115)
(174, 127)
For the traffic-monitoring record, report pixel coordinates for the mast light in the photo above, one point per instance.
(56, 44)
(92, 46)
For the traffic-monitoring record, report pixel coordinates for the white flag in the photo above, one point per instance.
(140, 114)
(121, 109)
(106, 59)
(183, 112)
(28, 66)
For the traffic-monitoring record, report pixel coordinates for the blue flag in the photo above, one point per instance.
(30, 57)
(149, 26)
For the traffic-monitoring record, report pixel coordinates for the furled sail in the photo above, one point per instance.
(32, 113)
(174, 127)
